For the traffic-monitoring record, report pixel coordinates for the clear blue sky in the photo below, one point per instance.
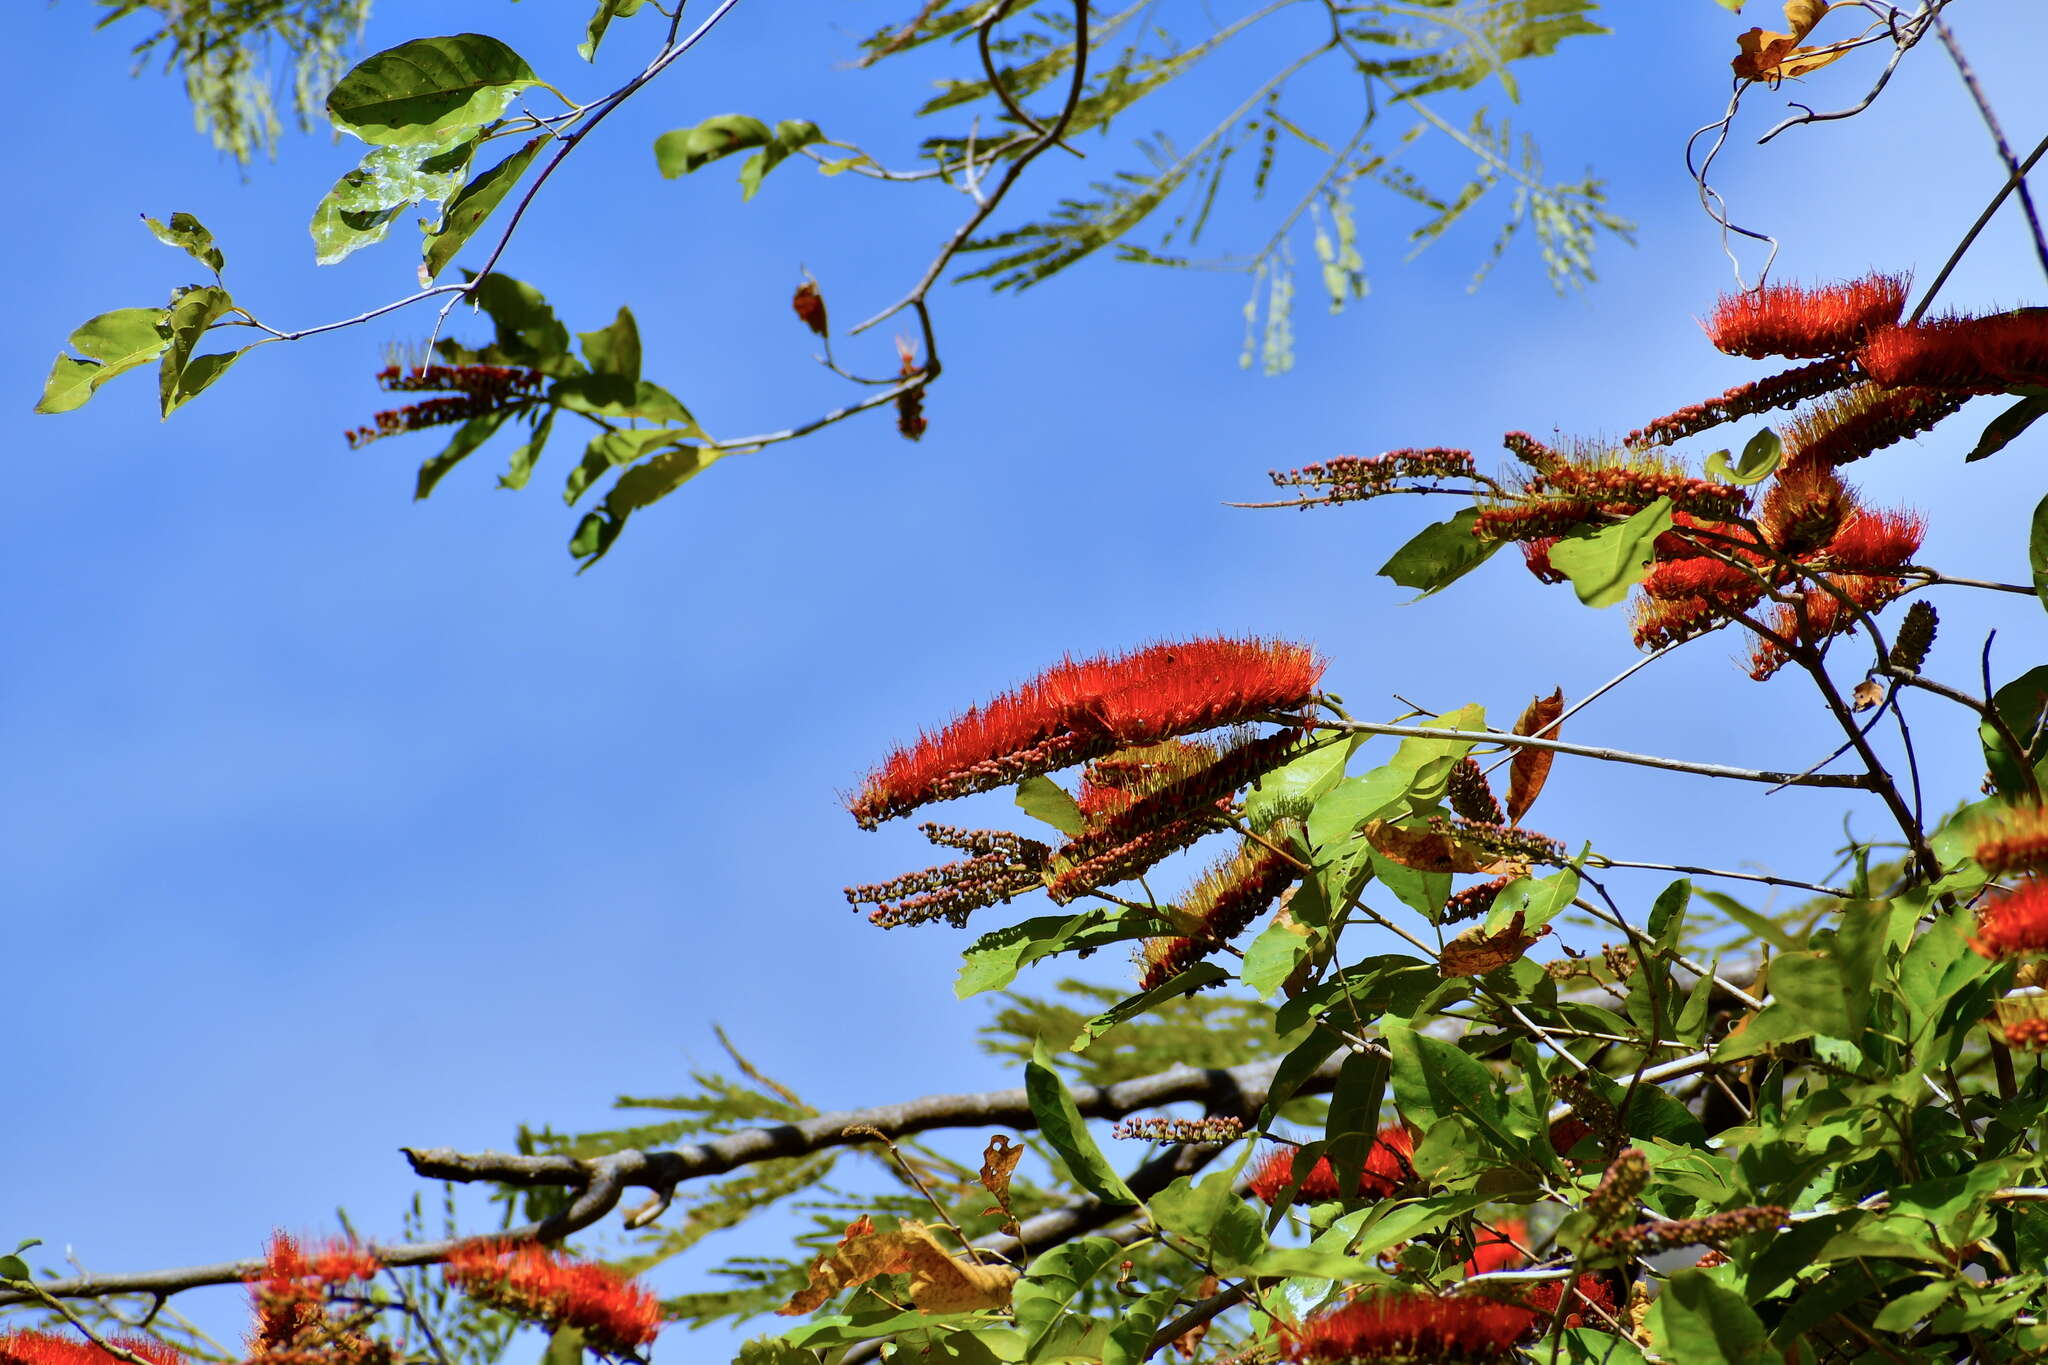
(332, 822)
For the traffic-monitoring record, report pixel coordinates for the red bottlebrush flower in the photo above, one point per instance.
(1498, 1246)
(1782, 390)
(1660, 622)
(910, 420)
(1806, 505)
(1787, 320)
(1407, 1326)
(1717, 580)
(293, 1325)
(495, 381)
(810, 306)
(1387, 1169)
(1539, 519)
(1076, 711)
(2014, 925)
(1958, 354)
(1873, 543)
(1592, 1305)
(1819, 616)
(47, 1348)
(616, 1316)
(2013, 840)
(1222, 905)
(1111, 783)
(1864, 420)
(1536, 558)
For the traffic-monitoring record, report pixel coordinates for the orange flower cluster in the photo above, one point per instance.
(2013, 840)
(1565, 494)
(1864, 420)
(293, 1323)
(1090, 708)
(616, 1316)
(47, 1348)
(1222, 905)
(1405, 1325)
(1387, 1168)
(2015, 924)
(1962, 354)
(1800, 323)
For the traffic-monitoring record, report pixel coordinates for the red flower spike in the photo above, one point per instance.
(1874, 543)
(1498, 1246)
(616, 1316)
(293, 1326)
(1964, 355)
(2014, 840)
(2028, 1035)
(1787, 320)
(1863, 421)
(910, 419)
(1387, 1169)
(1541, 519)
(2014, 925)
(1807, 504)
(1715, 579)
(1222, 905)
(47, 1348)
(1536, 558)
(1079, 710)
(1592, 1305)
(1782, 390)
(1408, 1325)
(1823, 617)
(1659, 622)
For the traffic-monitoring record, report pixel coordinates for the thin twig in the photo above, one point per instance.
(1990, 116)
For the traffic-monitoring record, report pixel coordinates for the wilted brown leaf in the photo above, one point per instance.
(939, 1282)
(1530, 768)
(1868, 693)
(998, 1163)
(810, 306)
(1476, 952)
(1767, 56)
(1187, 1343)
(1428, 850)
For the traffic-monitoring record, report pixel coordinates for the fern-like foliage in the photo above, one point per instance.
(233, 54)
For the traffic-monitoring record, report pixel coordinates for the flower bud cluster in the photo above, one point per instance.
(1353, 478)
(1502, 841)
(1915, 637)
(1223, 904)
(1003, 865)
(1473, 901)
(1785, 389)
(1215, 1129)
(1471, 797)
(1647, 1239)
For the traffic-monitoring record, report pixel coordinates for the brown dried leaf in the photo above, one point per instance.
(1187, 1343)
(998, 1163)
(1428, 850)
(1868, 693)
(939, 1282)
(1476, 952)
(1767, 56)
(810, 306)
(1530, 768)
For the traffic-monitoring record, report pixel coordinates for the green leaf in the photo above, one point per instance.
(682, 150)
(1041, 798)
(1538, 901)
(1059, 1119)
(528, 332)
(190, 236)
(641, 486)
(2003, 429)
(1749, 919)
(13, 1268)
(1667, 915)
(190, 315)
(364, 203)
(1295, 1068)
(468, 437)
(1354, 1121)
(2037, 550)
(1193, 979)
(1193, 1209)
(994, 959)
(608, 452)
(1604, 564)
(607, 10)
(112, 343)
(565, 1347)
(1760, 459)
(614, 351)
(199, 372)
(790, 136)
(1434, 1079)
(1130, 1339)
(1315, 769)
(1907, 1309)
(1440, 555)
(428, 90)
(1054, 1283)
(1700, 1322)
(1273, 956)
(604, 395)
(472, 204)
(520, 467)
(1394, 1222)
(2023, 705)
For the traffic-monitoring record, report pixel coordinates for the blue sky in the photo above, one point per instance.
(334, 822)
